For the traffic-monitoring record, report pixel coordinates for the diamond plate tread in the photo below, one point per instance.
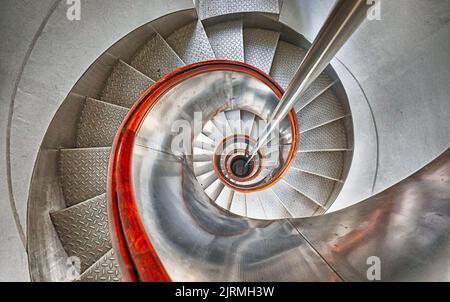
(328, 137)
(324, 109)
(125, 85)
(99, 123)
(83, 230)
(297, 204)
(328, 164)
(191, 43)
(83, 173)
(227, 40)
(106, 269)
(213, 8)
(286, 62)
(259, 47)
(156, 59)
(272, 206)
(316, 188)
(315, 90)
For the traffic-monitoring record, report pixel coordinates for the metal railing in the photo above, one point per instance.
(344, 19)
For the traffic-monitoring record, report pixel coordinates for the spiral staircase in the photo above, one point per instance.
(245, 32)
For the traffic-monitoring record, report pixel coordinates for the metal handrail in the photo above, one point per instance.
(344, 19)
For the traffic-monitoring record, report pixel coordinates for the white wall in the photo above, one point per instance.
(403, 65)
(60, 51)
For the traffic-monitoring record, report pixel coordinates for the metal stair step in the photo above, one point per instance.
(286, 62)
(226, 40)
(191, 43)
(272, 206)
(259, 47)
(316, 188)
(238, 204)
(106, 269)
(213, 8)
(125, 85)
(297, 204)
(320, 86)
(331, 136)
(254, 207)
(156, 58)
(83, 230)
(83, 173)
(327, 164)
(324, 109)
(98, 124)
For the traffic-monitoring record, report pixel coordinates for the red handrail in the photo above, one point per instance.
(137, 257)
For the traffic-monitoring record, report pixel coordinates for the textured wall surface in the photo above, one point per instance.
(19, 20)
(42, 56)
(403, 65)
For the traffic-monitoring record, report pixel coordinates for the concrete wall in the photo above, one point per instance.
(14, 50)
(402, 63)
(42, 56)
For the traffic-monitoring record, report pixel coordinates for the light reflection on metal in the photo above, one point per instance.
(344, 19)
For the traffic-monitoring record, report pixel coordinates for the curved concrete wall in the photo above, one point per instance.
(402, 64)
(43, 54)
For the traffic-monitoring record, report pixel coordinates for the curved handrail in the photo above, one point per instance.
(137, 257)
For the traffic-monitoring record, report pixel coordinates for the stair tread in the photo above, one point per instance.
(331, 136)
(225, 198)
(226, 40)
(272, 206)
(327, 164)
(191, 43)
(254, 207)
(238, 204)
(316, 188)
(83, 173)
(214, 189)
(297, 204)
(213, 8)
(125, 85)
(322, 110)
(84, 231)
(106, 269)
(99, 123)
(156, 58)
(320, 86)
(259, 47)
(286, 61)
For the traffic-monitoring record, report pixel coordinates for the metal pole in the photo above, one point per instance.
(344, 19)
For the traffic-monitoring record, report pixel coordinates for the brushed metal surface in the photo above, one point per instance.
(407, 227)
(198, 242)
